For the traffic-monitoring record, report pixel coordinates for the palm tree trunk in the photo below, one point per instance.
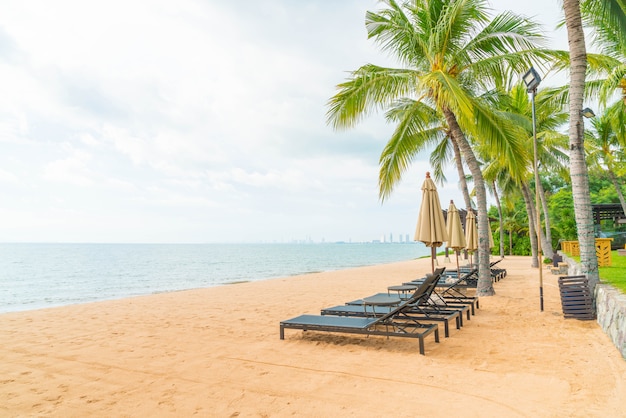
(500, 218)
(485, 285)
(546, 244)
(618, 188)
(532, 231)
(578, 166)
(459, 168)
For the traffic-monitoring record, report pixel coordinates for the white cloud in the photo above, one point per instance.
(72, 169)
(191, 120)
(8, 177)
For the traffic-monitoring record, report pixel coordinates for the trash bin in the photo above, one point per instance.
(576, 297)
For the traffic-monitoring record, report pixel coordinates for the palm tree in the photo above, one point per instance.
(515, 105)
(449, 50)
(602, 146)
(552, 152)
(614, 15)
(578, 168)
(494, 191)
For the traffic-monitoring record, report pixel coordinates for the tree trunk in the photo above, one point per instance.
(485, 285)
(578, 166)
(532, 232)
(618, 188)
(459, 168)
(500, 218)
(546, 244)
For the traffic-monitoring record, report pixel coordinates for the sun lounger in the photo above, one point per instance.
(357, 311)
(497, 273)
(396, 323)
(449, 290)
(469, 277)
(420, 309)
(434, 306)
(432, 278)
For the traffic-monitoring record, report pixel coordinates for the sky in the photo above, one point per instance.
(195, 121)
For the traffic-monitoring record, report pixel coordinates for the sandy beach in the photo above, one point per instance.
(216, 353)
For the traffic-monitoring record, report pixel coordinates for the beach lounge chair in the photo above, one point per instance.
(403, 296)
(450, 288)
(395, 323)
(448, 294)
(435, 306)
(497, 273)
(420, 310)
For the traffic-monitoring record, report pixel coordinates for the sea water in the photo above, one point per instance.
(34, 276)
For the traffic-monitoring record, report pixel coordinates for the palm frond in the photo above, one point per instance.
(418, 126)
(370, 87)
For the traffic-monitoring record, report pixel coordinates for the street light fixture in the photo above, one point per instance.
(532, 80)
(588, 113)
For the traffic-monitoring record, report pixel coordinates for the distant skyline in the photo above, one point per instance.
(196, 121)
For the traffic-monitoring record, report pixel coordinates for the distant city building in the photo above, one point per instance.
(407, 238)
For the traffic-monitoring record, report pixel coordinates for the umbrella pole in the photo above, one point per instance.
(432, 258)
(458, 269)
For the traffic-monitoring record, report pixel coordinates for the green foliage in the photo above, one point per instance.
(600, 187)
(515, 220)
(616, 273)
(560, 207)
(562, 217)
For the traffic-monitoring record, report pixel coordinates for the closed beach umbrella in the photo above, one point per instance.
(471, 233)
(456, 237)
(431, 227)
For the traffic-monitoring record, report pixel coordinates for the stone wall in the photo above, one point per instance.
(611, 313)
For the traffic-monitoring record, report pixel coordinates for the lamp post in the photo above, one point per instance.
(532, 80)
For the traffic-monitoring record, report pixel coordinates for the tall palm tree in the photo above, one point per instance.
(449, 50)
(551, 144)
(604, 151)
(578, 168)
(494, 191)
(614, 15)
(551, 150)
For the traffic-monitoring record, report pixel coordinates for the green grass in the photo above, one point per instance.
(616, 273)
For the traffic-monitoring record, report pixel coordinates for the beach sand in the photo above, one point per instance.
(216, 353)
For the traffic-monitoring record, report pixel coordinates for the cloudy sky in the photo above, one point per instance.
(194, 121)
